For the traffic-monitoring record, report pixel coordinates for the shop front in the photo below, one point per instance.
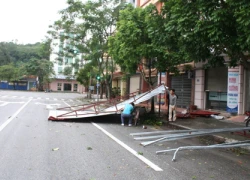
(183, 89)
(216, 81)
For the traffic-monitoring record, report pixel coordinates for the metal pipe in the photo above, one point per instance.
(208, 147)
(187, 147)
(195, 134)
(168, 131)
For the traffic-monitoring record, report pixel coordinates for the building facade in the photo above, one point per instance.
(62, 63)
(221, 88)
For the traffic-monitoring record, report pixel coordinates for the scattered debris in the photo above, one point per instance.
(140, 153)
(217, 117)
(55, 149)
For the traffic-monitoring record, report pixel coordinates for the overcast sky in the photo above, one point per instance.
(27, 21)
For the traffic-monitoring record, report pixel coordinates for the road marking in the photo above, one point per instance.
(14, 115)
(5, 103)
(145, 160)
(47, 104)
(67, 104)
(47, 98)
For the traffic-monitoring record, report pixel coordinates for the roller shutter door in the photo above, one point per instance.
(182, 86)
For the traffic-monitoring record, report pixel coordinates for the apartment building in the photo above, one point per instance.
(64, 78)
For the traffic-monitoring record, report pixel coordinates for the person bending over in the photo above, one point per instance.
(127, 113)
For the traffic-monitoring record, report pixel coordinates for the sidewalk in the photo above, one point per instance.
(211, 123)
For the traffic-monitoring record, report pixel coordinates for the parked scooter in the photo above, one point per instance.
(247, 118)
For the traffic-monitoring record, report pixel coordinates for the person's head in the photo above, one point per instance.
(172, 91)
(132, 104)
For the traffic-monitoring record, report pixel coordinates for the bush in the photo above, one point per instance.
(115, 92)
(152, 119)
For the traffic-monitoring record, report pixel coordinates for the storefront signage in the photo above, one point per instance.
(232, 92)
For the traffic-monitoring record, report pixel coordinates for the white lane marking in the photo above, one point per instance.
(5, 103)
(14, 115)
(67, 104)
(47, 98)
(55, 99)
(47, 104)
(148, 162)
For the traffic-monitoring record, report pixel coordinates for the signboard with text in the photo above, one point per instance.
(233, 92)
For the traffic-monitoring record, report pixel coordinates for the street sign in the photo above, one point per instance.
(91, 87)
(98, 84)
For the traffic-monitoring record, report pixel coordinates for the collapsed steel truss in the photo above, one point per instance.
(102, 108)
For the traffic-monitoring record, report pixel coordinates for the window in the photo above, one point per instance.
(59, 86)
(60, 70)
(70, 60)
(75, 87)
(60, 62)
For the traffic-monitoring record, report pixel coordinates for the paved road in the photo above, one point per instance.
(31, 147)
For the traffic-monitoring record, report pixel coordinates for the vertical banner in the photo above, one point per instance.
(232, 92)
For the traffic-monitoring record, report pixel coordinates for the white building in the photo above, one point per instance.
(63, 57)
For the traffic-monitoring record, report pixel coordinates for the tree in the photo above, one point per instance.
(45, 49)
(41, 68)
(87, 26)
(11, 73)
(16, 53)
(207, 30)
(86, 75)
(4, 54)
(136, 44)
(68, 72)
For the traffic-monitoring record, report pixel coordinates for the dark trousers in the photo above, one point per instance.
(129, 116)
